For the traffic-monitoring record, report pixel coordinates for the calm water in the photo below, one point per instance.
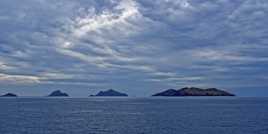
(134, 116)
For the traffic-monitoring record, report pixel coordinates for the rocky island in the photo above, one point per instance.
(193, 91)
(9, 95)
(111, 93)
(58, 93)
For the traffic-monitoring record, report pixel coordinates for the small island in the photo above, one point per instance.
(111, 93)
(193, 91)
(9, 95)
(58, 93)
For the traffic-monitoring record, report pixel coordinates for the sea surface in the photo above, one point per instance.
(190, 115)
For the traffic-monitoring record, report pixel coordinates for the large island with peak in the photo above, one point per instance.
(193, 91)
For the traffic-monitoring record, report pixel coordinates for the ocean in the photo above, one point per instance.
(186, 115)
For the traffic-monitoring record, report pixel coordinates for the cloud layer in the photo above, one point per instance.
(138, 46)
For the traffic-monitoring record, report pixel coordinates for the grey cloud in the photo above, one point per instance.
(155, 44)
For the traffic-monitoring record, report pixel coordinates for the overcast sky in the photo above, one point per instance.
(135, 46)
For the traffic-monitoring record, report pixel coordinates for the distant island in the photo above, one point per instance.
(193, 91)
(58, 93)
(111, 93)
(9, 95)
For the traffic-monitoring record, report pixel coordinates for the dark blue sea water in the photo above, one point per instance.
(134, 116)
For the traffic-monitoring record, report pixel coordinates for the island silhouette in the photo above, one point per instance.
(9, 95)
(194, 91)
(58, 93)
(111, 93)
(186, 91)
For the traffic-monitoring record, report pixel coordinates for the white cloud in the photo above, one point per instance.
(4, 66)
(98, 61)
(109, 19)
(18, 79)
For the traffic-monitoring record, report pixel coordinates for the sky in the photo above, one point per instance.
(135, 46)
